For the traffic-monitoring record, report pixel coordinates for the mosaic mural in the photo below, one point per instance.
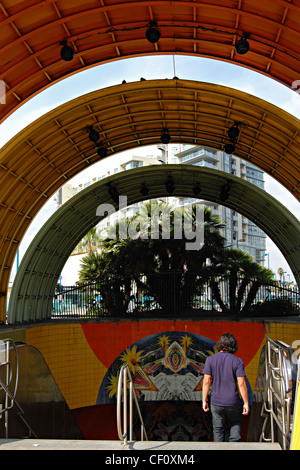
(165, 367)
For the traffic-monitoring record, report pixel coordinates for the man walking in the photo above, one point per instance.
(226, 373)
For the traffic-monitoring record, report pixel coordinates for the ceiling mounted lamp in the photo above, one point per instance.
(229, 148)
(242, 45)
(165, 137)
(197, 190)
(233, 131)
(224, 192)
(113, 192)
(93, 134)
(66, 52)
(233, 134)
(170, 185)
(102, 151)
(153, 33)
(144, 190)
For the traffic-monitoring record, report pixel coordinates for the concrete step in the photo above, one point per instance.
(150, 446)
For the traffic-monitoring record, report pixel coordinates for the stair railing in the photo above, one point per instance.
(5, 383)
(127, 392)
(277, 405)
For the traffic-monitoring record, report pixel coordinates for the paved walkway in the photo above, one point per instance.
(153, 446)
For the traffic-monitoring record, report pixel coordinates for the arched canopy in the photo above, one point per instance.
(33, 289)
(99, 32)
(42, 157)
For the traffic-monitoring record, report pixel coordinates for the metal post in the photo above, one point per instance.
(6, 384)
(125, 404)
(130, 410)
(123, 435)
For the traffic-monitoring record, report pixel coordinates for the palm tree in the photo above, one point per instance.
(91, 267)
(90, 239)
(114, 289)
(242, 274)
(149, 257)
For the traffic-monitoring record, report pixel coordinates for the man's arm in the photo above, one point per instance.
(207, 380)
(244, 394)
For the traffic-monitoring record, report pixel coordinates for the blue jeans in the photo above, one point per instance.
(227, 421)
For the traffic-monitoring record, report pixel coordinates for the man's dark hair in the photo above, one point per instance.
(227, 343)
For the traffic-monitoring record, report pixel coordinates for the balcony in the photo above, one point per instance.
(199, 155)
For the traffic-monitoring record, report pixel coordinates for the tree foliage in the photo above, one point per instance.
(149, 258)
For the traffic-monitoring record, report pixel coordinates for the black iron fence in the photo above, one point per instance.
(172, 295)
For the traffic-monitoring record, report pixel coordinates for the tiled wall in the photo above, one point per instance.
(79, 355)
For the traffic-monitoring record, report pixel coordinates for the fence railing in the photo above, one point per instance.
(172, 294)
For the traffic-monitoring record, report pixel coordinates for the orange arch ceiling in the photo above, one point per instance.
(107, 30)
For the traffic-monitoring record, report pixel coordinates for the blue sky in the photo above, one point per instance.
(155, 67)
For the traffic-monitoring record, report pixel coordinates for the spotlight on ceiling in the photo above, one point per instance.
(242, 45)
(113, 192)
(197, 189)
(233, 134)
(144, 190)
(170, 186)
(165, 137)
(93, 134)
(66, 52)
(224, 191)
(229, 148)
(233, 131)
(102, 151)
(153, 33)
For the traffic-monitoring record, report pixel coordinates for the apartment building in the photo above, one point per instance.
(239, 231)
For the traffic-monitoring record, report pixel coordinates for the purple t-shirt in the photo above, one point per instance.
(224, 369)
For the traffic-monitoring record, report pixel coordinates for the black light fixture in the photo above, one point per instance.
(233, 131)
(165, 137)
(113, 192)
(242, 45)
(229, 148)
(66, 52)
(93, 134)
(102, 151)
(197, 189)
(153, 33)
(144, 190)
(233, 134)
(224, 191)
(170, 185)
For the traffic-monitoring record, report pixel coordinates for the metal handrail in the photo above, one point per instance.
(8, 405)
(122, 385)
(277, 402)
